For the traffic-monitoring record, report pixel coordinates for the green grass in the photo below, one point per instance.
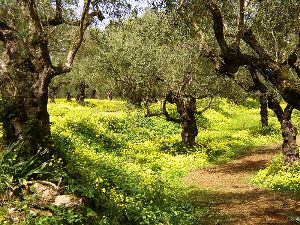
(134, 165)
(129, 167)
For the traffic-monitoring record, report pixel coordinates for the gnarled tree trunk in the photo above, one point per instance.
(290, 149)
(188, 121)
(93, 94)
(26, 70)
(81, 86)
(24, 92)
(53, 90)
(289, 132)
(186, 107)
(69, 97)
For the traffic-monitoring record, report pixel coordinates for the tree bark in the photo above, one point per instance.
(24, 92)
(290, 149)
(289, 146)
(289, 132)
(188, 121)
(81, 86)
(109, 95)
(263, 100)
(93, 94)
(26, 70)
(53, 90)
(186, 107)
(69, 97)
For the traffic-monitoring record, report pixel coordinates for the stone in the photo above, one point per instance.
(44, 193)
(15, 215)
(67, 201)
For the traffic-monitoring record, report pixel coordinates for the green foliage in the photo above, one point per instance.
(129, 167)
(295, 218)
(277, 177)
(78, 216)
(133, 164)
(15, 171)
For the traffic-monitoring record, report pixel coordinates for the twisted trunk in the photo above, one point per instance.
(81, 86)
(69, 97)
(24, 92)
(186, 108)
(26, 70)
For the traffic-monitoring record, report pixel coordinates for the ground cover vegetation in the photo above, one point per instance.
(192, 80)
(129, 167)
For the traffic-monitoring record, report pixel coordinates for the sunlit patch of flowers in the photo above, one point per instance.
(131, 167)
(279, 178)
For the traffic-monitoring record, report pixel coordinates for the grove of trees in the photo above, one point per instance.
(183, 53)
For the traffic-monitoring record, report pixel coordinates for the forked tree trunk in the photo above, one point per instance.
(26, 70)
(289, 132)
(186, 107)
(263, 100)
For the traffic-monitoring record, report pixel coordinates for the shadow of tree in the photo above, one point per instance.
(228, 192)
(251, 207)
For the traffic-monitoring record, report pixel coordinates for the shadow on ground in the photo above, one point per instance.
(226, 188)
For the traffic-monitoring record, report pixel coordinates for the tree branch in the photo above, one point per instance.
(241, 21)
(167, 115)
(186, 80)
(258, 85)
(3, 29)
(38, 37)
(218, 25)
(180, 6)
(293, 59)
(58, 18)
(251, 40)
(85, 21)
(287, 113)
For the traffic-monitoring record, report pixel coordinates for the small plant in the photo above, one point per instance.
(15, 171)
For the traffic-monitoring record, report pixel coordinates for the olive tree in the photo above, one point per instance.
(261, 35)
(31, 56)
(154, 57)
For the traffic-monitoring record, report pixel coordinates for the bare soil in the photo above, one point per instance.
(226, 188)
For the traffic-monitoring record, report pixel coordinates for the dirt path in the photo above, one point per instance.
(230, 192)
